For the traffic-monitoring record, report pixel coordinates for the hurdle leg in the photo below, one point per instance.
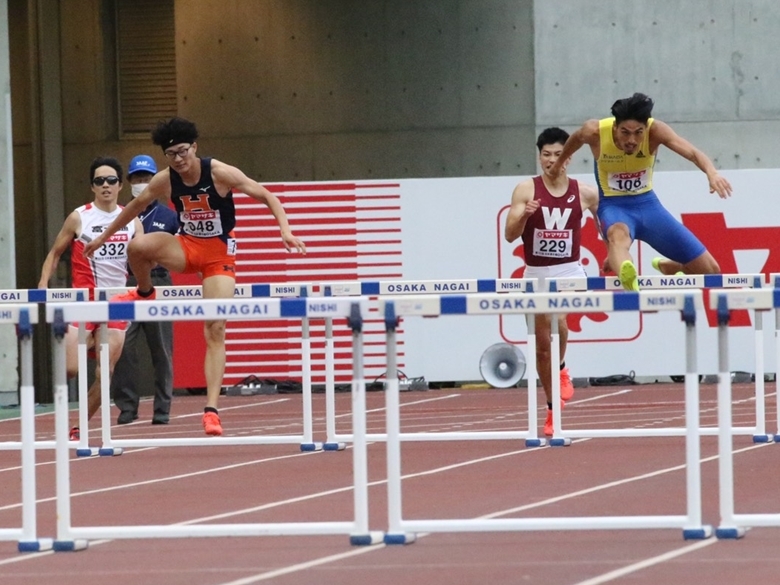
(331, 444)
(531, 378)
(727, 527)
(395, 534)
(760, 435)
(106, 449)
(29, 542)
(695, 530)
(83, 449)
(361, 535)
(557, 439)
(64, 541)
(307, 443)
(777, 375)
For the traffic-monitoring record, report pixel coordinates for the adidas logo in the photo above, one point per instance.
(640, 154)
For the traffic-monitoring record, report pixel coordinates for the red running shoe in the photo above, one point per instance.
(211, 424)
(75, 434)
(133, 295)
(567, 387)
(548, 424)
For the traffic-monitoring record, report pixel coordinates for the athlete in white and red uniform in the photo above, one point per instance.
(547, 213)
(107, 267)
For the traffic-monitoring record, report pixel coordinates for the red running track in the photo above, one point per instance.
(464, 479)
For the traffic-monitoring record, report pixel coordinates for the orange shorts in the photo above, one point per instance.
(209, 256)
(90, 327)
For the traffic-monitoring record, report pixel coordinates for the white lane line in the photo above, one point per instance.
(657, 560)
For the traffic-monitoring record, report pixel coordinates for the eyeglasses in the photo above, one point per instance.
(98, 181)
(182, 152)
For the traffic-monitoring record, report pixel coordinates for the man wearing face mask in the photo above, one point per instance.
(159, 336)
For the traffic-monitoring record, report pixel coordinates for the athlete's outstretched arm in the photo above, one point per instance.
(523, 206)
(70, 229)
(589, 197)
(662, 133)
(588, 134)
(234, 178)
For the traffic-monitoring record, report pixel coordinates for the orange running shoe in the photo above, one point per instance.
(211, 424)
(567, 387)
(75, 434)
(548, 424)
(133, 295)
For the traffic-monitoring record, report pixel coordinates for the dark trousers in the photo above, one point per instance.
(159, 338)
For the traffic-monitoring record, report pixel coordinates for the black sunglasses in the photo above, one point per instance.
(98, 181)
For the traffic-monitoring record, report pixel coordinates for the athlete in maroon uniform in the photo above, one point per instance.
(203, 189)
(547, 213)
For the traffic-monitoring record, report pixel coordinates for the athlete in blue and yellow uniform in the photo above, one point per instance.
(624, 148)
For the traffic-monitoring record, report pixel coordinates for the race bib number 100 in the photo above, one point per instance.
(628, 182)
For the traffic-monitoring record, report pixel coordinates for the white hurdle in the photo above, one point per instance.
(70, 537)
(402, 531)
(24, 316)
(733, 525)
(381, 289)
(710, 283)
(40, 296)
(109, 447)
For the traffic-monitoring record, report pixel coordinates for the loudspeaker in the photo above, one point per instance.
(502, 365)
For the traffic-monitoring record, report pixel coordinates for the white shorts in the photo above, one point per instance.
(542, 273)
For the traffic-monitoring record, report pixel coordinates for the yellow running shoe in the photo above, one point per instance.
(657, 263)
(628, 276)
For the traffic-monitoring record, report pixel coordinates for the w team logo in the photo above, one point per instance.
(556, 218)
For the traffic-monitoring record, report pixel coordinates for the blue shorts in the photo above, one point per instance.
(648, 221)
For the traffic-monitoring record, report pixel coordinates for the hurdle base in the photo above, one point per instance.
(366, 539)
(334, 446)
(110, 451)
(70, 545)
(535, 442)
(731, 533)
(560, 442)
(88, 452)
(764, 438)
(702, 533)
(400, 538)
(308, 447)
(40, 545)
(777, 438)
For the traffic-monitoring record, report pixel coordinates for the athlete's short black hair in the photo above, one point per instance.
(105, 161)
(638, 107)
(174, 131)
(552, 135)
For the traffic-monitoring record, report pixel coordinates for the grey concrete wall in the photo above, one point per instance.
(354, 89)
(709, 64)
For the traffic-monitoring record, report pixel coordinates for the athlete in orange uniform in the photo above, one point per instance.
(107, 268)
(547, 213)
(201, 190)
(624, 149)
